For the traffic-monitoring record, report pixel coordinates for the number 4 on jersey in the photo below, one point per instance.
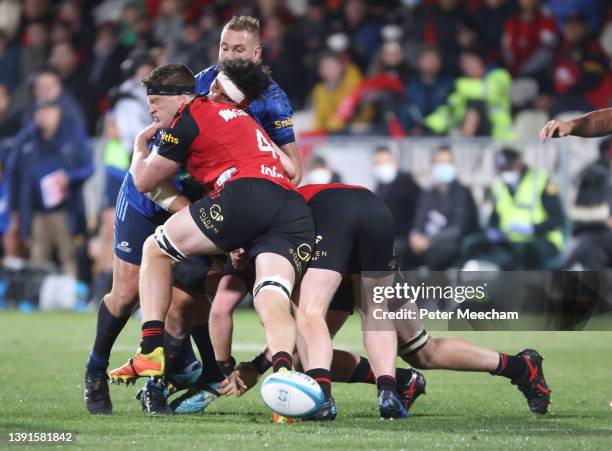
(263, 144)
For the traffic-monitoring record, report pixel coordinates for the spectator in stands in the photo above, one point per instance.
(130, 106)
(48, 164)
(489, 19)
(591, 247)
(102, 71)
(33, 56)
(528, 43)
(446, 214)
(10, 14)
(364, 32)
(168, 24)
(65, 61)
(380, 95)
(426, 91)
(525, 230)
(592, 10)
(320, 172)
(400, 192)
(313, 28)
(446, 24)
(191, 50)
(479, 104)
(9, 118)
(282, 52)
(390, 61)
(338, 78)
(581, 77)
(47, 86)
(9, 63)
(77, 19)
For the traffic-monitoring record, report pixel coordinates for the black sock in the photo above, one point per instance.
(261, 363)
(173, 348)
(282, 360)
(107, 330)
(211, 373)
(363, 373)
(152, 336)
(386, 383)
(323, 377)
(510, 366)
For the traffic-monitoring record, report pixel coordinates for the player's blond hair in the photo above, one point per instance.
(249, 24)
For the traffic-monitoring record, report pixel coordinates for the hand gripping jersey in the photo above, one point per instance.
(216, 142)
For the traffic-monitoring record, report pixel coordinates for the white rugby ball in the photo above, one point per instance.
(291, 394)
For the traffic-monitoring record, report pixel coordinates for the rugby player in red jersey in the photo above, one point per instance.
(350, 228)
(251, 203)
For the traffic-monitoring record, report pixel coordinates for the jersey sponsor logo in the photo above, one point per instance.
(124, 246)
(169, 138)
(283, 123)
(228, 115)
(206, 221)
(271, 172)
(301, 255)
(215, 212)
(318, 253)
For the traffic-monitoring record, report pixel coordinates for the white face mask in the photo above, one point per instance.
(511, 177)
(384, 173)
(443, 173)
(318, 176)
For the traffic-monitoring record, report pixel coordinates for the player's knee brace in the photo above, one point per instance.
(274, 283)
(166, 245)
(413, 345)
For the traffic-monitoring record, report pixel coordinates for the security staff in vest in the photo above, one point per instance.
(527, 218)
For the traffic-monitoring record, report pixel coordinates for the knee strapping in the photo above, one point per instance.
(414, 345)
(274, 283)
(166, 245)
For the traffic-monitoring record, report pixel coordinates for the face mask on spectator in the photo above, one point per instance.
(511, 177)
(384, 173)
(319, 176)
(443, 173)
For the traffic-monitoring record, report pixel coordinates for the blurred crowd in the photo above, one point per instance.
(70, 70)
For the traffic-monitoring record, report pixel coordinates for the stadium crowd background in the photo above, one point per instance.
(71, 105)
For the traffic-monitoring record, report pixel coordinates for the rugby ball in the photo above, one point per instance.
(291, 394)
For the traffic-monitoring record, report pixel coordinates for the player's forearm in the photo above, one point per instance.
(292, 151)
(595, 123)
(138, 167)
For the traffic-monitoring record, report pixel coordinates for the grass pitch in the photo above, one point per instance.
(42, 358)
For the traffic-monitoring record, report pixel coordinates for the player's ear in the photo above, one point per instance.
(257, 54)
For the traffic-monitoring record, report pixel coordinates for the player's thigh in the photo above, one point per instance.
(186, 237)
(316, 291)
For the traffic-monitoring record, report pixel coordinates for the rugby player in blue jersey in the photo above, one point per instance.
(137, 216)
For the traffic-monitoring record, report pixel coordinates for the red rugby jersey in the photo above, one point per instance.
(310, 191)
(216, 142)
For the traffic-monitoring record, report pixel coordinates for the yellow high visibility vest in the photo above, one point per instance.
(525, 208)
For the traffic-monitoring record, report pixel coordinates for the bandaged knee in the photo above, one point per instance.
(274, 283)
(415, 344)
(166, 245)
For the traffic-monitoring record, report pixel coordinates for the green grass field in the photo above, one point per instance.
(42, 357)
